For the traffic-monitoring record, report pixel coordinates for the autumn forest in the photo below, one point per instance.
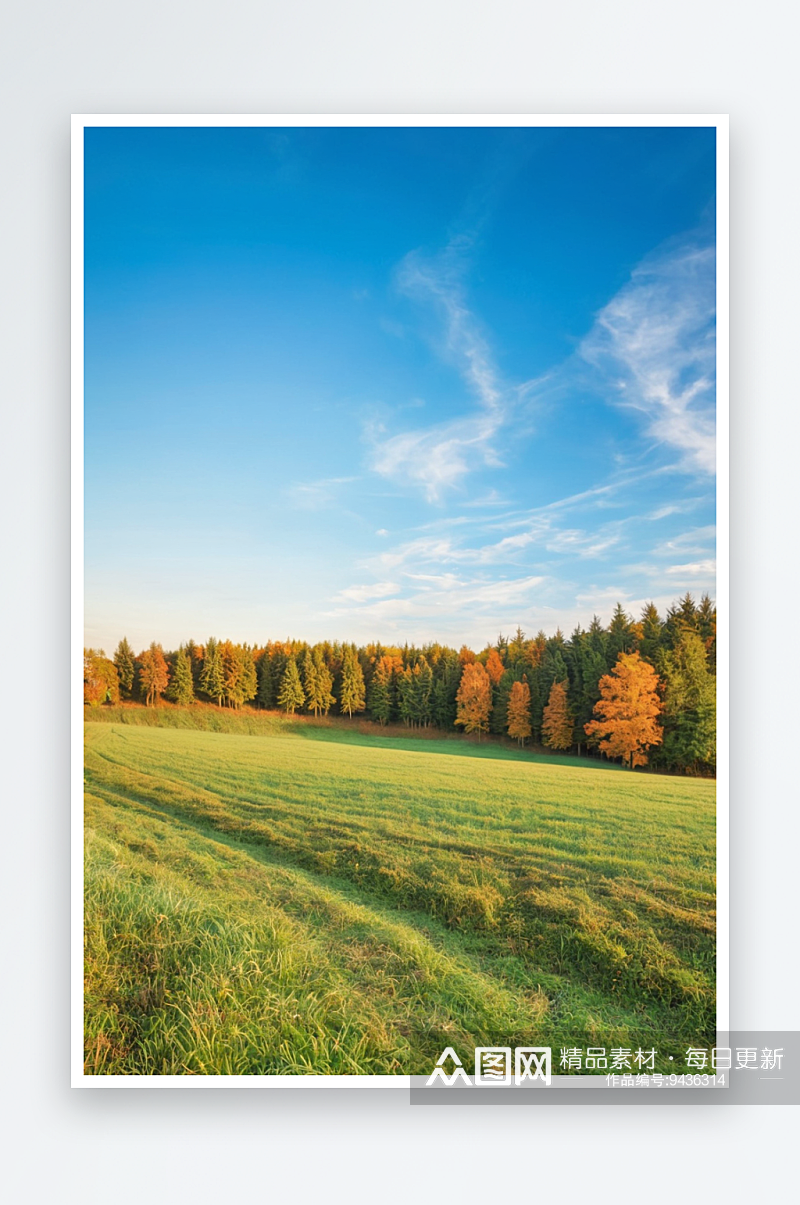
(640, 691)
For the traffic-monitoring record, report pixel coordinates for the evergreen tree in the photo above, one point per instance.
(557, 720)
(621, 636)
(680, 618)
(248, 678)
(516, 648)
(707, 627)
(195, 654)
(500, 701)
(318, 683)
(597, 636)
(405, 695)
(381, 691)
(212, 681)
(265, 694)
(290, 695)
(593, 669)
(445, 688)
(310, 686)
(352, 691)
(125, 664)
(278, 660)
(181, 687)
(232, 660)
(652, 634)
(553, 664)
(534, 676)
(690, 719)
(422, 692)
(519, 704)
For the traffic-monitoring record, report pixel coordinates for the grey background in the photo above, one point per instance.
(373, 56)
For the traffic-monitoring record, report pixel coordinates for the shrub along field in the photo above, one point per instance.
(317, 899)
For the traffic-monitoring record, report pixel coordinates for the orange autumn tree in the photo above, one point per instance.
(153, 674)
(628, 711)
(557, 720)
(100, 679)
(519, 711)
(494, 667)
(474, 699)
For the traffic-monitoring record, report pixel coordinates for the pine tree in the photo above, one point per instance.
(593, 669)
(405, 695)
(381, 691)
(652, 634)
(422, 693)
(707, 627)
(318, 682)
(195, 654)
(534, 676)
(597, 636)
(265, 695)
(516, 648)
(689, 716)
(248, 681)
(680, 618)
(181, 687)
(352, 693)
(557, 720)
(290, 695)
(310, 681)
(153, 674)
(445, 688)
(474, 699)
(232, 662)
(500, 698)
(325, 696)
(628, 711)
(621, 636)
(212, 681)
(125, 664)
(519, 703)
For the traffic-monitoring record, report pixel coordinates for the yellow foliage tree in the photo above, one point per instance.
(628, 711)
(519, 711)
(557, 722)
(474, 699)
(494, 667)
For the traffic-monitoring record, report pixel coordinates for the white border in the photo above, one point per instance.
(79, 122)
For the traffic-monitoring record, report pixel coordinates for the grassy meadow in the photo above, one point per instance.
(279, 897)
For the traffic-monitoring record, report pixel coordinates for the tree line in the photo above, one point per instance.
(638, 690)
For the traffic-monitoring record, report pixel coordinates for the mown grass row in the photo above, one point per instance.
(586, 897)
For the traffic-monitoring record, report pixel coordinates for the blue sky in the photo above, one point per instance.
(399, 384)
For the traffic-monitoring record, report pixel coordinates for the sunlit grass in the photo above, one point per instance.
(349, 905)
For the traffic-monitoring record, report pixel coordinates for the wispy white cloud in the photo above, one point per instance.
(697, 541)
(655, 344)
(704, 569)
(361, 594)
(438, 457)
(435, 597)
(315, 495)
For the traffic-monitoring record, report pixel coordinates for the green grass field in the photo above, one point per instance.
(317, 899)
